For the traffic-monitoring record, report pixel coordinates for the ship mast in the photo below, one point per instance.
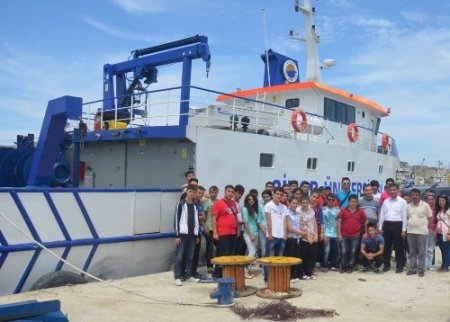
(313, 66)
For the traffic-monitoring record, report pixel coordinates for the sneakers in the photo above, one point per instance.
(349, 270)
(411, 272)
(430, 268)
(386, 269)
(365, 269)
(376, 270)
(178, 282)
(443, 270)
(399, 270)
(324, 269)
(305, 277)
(312, 277)
(295, 280)
(421, 273)
(342, 270)
(193, 279)
(334, 269)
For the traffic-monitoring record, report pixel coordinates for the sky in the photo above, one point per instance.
(396, 53)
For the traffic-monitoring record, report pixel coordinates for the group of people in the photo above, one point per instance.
(333, 232)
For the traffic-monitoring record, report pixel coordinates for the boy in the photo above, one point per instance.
(332, 249)
(372, 249)
(207, 226)
(187, 234)
(349, 230)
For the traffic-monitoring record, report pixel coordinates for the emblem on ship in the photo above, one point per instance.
(290, 71)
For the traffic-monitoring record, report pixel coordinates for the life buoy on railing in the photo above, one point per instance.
(352, 132)
(385, 141)
(303, 124)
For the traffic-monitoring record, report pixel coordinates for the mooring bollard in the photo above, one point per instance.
(225, 292)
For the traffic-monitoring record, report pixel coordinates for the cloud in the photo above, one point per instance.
(365, 21)
(115, 32)
(142, 7)
(414, 17)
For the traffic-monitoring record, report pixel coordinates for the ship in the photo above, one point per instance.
(98, 189)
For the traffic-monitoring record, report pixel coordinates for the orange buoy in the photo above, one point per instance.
(352, 132)
(303, 124)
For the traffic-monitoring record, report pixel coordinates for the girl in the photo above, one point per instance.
(308, 244)
(250, 215)
(295, 234)
(443, 231)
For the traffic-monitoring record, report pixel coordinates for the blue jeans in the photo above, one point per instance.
(348, 249)
(184, 250)
(274, 247)
(445, 251)
(334, 249)
(431, 244)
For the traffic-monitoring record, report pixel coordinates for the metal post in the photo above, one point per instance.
(185, 91)
(76, 158)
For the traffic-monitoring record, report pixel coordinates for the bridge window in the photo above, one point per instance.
(380, 169)
(311, 164)
(351, 166)
(266, 160)
(292, 103)
(338, 111)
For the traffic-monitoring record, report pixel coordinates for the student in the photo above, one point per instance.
(350, 220)
(332, 248)
(343, 195)
(371, 249)
(250, 216)
(239, 248)
(443, 231)
(225, 225)
(370, 206)
(305, 187)
(295, 234)
(262, 225)
(276, 226)
(201, 219)
(318, 252)
(188, 175)
(187, 234)
(308, 244)
(207, 226)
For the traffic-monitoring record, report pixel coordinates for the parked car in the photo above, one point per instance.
(438, 190)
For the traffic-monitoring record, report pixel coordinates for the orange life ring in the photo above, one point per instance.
(302, 126)
(352, 132)
(385, 141)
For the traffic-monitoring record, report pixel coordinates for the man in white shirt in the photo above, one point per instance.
(392, 225)
(276, 214)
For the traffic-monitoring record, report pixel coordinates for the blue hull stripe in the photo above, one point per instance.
(89, 259)
(85, 242)
(57, 215)
(63, 256)
(85, 214)
(25, 216)
(3, 258)
(3, 255)
(27, 272)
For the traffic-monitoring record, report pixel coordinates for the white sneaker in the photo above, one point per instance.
(178, 282)
(193, 279)
(312, 277)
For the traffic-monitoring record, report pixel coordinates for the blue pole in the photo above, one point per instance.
(185, 91)
(76, 158)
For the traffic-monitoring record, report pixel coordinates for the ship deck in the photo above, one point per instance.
(356, 296)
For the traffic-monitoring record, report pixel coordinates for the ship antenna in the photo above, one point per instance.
(313, 66)
(265, 44)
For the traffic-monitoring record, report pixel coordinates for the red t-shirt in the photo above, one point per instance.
(225, 213)
(351, 222)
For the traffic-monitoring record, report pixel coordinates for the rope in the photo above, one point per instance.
(157, 301)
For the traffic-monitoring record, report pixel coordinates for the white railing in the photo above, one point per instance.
(162, 108)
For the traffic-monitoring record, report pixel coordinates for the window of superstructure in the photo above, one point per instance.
(351, 166)
(292, 103)
(338, 111)
(266, 160)
(311, 164)
(380, 169)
